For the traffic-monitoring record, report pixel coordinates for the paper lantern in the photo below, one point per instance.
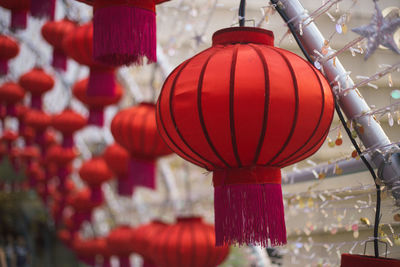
(187, 243)
(36, 82)
(245, 109)
(86, 250)
(68, 122)
(78, 46)
(119, 244)
(95, 104)
(9, 49)
(352, 260)
(135, 129)
(10, 94)
(62, 158)
(35, 174)
(39, 121)
(43, 9)
(8, 138)
(117, 159)
(95, 172)
(83, 206)
(54, 33)
(19, 12)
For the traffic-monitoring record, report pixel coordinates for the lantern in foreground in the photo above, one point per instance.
(119, 244)
(245, 109)
(43, 9)
(9, 49)
(135, 129)
(19, 12)
(187, 243)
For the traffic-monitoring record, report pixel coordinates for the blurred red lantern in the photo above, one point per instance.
(62, 158)
(29, 154)
(10, 94)
(35, 174)
(187, 243)
(43, 9)
(36, 82)
(54, 33)
(95, 104)
(245, 109)
(119, 244)
(9, 49)
(135, 129)
(68, 122)
(95, 172)
(19, 12)
(78, 45)
(117, 159)
(39, 121)
(83, 207)
(8, 138)
(86, 250)
(65, 236)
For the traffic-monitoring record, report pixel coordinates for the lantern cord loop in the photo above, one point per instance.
(292, 29)
(242, 11)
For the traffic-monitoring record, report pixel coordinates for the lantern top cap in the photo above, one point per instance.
(243, 35)
(189, 219)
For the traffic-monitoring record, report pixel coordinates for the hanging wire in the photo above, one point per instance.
(292, 29)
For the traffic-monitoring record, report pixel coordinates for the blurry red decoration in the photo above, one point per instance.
(10, 94)
(19, 12)
(119, 244)
(68, 122)
(245, 109)
(9, 49)
(187, 243)
(352, 260)
(8, 138)
(86, 249)
(36, 82)
(95, 172)
(43, 9)
(83, 206)
(39, 121)
(20, 112)
(65, 236)
(35, 174)
(95, 104)
(54, 33)
(135, 129)
(78, 45)
(62, 158)
(117, 159)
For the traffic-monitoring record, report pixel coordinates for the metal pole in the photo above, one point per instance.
(352, 103)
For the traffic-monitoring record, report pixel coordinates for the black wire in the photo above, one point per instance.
(343, 121)
(242, 12)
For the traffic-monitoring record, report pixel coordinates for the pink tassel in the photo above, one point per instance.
(62, 174)
(148, 263)
(59, 60)
(68, 141)
(249, 214)
(142, 173)
(124, 261)
(96, 117)
(97, 194)
(101, 82)
(19, 19)
(3, 67)
(43, 9)
(125, 186)
(10, 110)
(106, 262)
(36, 102)
(123, 35)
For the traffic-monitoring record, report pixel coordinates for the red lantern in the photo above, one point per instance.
(117, 159)
(95, 172)
(96, 104)
(83, 206)
(9, 49)
(8, 138)
(35, 174)
(119, 244)
(135, 129)
(86, 250)
(39, 121)
(244, 109)
(10, 94)
(187, 243)
(54, 33)
(62, 158)
(36, 82)
(43, 9)
(19, 12)
(351, 260)
(78, 45)
(68, 122)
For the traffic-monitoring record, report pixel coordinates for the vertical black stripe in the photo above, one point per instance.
(200, 111)
(283, 161)
(266, 102)
(296, 111)
(231, 105)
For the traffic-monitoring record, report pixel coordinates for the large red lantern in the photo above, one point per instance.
(78, 45)
(68, 122)
(10, 94)
(187, 243)
(43, 9)
(135, 129)
(244, 109)
(54, 33)
(19, 12)
(119, 244)
(9, 49)
(95, 104)
(36, 82)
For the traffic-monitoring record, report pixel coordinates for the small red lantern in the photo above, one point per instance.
(39, 121)
(68, 122)
(10, 94)
(119, 244)
(192, 242)
(95, 104)
(83, 206)
(117, 159)
(9, 49)
(86, 250)
(54, 33)
(19, 12)
(36, 82)
(95, 172)
(43, 9)
(245, 109)
(8, 138)
(135, 129)
(62, 158)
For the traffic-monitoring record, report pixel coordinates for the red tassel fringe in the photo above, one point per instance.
(43, 9)
(3, 67)
(59, 60)
(19, 19)
(142, 173)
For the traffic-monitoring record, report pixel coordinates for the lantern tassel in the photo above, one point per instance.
(96, 117)
(3, 67)
(43, 9)
(123, 35)
(142, 173)
(59, 60)
(126, 186)
(249, 214)
(101, 82)
(124, 261)
(148, 263)
(97, 194)
(19, 19)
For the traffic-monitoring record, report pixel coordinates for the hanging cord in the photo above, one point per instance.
(343, 121)
(242, 13)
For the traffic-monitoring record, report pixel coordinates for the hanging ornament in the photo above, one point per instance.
(9, 49)
(244, 109)
(68, 122)
(119, 244)
(43, 9)
(10, 94)
(39, 121)
(339, 140)
(19, 12)
(352, 260)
